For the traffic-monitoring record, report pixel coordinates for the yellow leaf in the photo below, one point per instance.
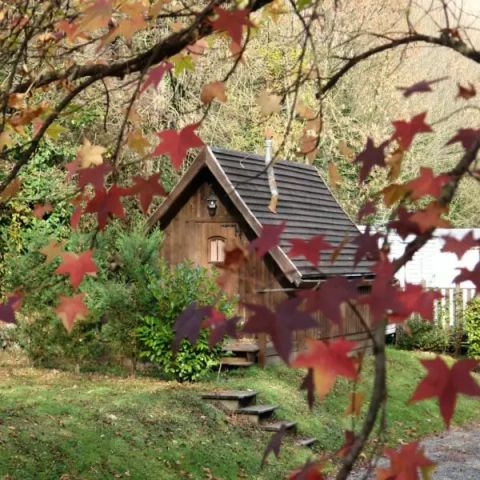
(393, 193)
(89, 154)
(55, 130)
(309, 146)
(52, 250)
(345, 150)
(213, 90)
(269, 103)
(5, 140)
(137, 141)
(355, 406)
(333, 175)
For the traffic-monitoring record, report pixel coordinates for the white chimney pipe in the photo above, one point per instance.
(271, 174)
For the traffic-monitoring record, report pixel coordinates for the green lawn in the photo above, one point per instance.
(95, 426)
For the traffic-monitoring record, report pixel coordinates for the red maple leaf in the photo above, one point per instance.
(77, 266)
(94, 176)
(176, 143)
(329, 297)
(466, 136)
(232, 22)
(310, 471)
(310, 248)
(405, 131)
(405, 463)
(427, 184)
(71, 309)
(220, 327)
(41, 209)
(446, 383)
(8, 308)
(328, 361)
(414, 299)
(382, 296)
(367, 209)
(279, 324)
(269, 238)
(146, 189)
(460, 247)
(466, 275)
(189, 324)
(107, 203)
(404, 225)
(345, 448)
(467, 92)
(274, 444)
(367, 246)
(72, 168)
(371, 156)
(155, 75)
(430, 217)
(420, 87)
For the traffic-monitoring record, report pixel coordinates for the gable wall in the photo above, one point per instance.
(186, 233)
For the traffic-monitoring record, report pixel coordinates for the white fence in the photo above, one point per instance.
(450, 309)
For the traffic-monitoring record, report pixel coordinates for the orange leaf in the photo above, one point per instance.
(71, 309)
(213, 90)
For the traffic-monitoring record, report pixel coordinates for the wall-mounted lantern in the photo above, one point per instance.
(212, 204)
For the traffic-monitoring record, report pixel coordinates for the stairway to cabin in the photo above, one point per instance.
(241, 354)
(244, 403)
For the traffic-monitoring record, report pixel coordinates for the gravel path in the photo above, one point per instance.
(456, 452)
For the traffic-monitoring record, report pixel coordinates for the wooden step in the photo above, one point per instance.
(236, 362)
(277, 426)
(306, 442)
(232, 400)
(257, 413)
(248, 347)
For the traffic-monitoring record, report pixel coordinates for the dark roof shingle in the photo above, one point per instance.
(305, 203)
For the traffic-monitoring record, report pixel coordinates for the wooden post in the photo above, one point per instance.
(262, 345)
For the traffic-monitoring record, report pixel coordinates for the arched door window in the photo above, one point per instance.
(216, 249)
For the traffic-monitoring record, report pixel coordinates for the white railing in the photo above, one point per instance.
(450, 309)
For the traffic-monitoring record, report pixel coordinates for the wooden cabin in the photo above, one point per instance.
(223, 198)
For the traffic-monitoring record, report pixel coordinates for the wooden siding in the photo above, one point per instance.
(187, 228)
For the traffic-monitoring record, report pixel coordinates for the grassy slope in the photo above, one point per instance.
(92, 426)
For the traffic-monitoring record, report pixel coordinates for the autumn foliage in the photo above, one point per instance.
(107, 180)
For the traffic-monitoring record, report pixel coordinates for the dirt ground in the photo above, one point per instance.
(457, 453)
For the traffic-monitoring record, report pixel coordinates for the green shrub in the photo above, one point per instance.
(472, 327)
(427, 336)
(176, 288)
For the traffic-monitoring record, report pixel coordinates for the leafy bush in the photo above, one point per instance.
(427, 336)
(118, 297)
(175, 289)
(472, 327)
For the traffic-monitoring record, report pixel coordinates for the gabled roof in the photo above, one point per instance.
(305, 204)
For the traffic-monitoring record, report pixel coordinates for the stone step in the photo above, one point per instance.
(236, 362)
(232, 400)
(257, 413)
(277, 426)
(306, 442)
